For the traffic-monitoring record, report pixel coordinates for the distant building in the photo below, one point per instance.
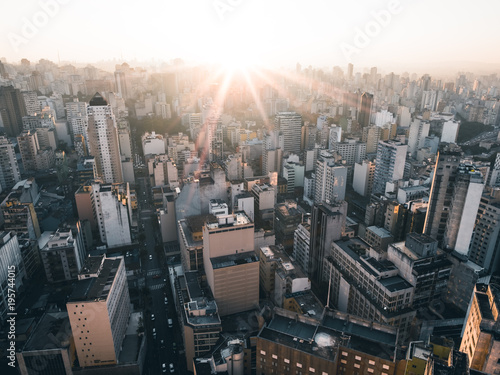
(330, 180)
(301, 244)
(103, 140)
(12, 110)
(290, 124)
(286, 219)
(389, 164)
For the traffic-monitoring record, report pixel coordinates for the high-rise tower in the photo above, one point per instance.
(103, 140)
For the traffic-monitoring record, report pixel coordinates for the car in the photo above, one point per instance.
(150, 257)
(156, 276)
(171, 366)
(152, 317)
(164, 280)
(170, 323)
(164, 368)
(166, 300)
(154, 333)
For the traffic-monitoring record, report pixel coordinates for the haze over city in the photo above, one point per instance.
(238, 187)
(400, 35)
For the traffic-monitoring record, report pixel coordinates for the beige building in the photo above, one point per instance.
(481, 330)
(99, 310)
(231, 264)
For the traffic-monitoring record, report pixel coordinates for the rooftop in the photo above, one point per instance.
(234, 260)
(54, 327)
(97, 288)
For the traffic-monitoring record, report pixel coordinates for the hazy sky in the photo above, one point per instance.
(272, 32)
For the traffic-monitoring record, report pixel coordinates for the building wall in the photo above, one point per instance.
(236, 288)
(91, 329)
(274, 358)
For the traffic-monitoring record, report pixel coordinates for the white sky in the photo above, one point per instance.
(270, 32)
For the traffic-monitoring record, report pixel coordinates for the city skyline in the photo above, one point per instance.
(396, 34)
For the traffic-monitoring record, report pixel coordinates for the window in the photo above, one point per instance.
(286, 360)
(357, 358)
(299, 365)
(274, 356)
(345, 354)
(311, 369)
(262, 352)
(357, 365)
(385, 367)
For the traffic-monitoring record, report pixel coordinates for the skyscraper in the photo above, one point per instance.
(99, 310)
(330, 179)
(290, 124)
(327, 225)
(447, 162)
(103, 140)
(365, 110)
(12, 110)
(9, 170)
(389, 165)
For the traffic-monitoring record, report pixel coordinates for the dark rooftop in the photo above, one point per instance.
(234, 259)
(95, 288)
(54, 328)
(97, 100)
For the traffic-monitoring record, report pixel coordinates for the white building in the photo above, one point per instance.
(113, 213)
(389, 164)
(450, 131)
(419, 130)
(301, 239)
(290, 125)
(334, 137)
(103, 140)
(153, 144)
(384, 117)
(9, 169)
(363, 177)
(330, 180)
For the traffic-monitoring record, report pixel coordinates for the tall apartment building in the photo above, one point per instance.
(362, 181)
(9, 170)
(264, 201)
(231, 264)
(465, 198)
(287, 217)
(364, 284)
(200, 318)
(289, 124)
(103, 140)
(365, 109)
(419, 129)
(108, 209)
(445, 170)
(31, 102)
(389, 164)
(78, 121)
(12, 110)
(483, 249)
(62, 256)
(351, 150)
(327, 225)
(336, 344)
(18, 209)
(425, 267)
(301, 244)
(330, 179)
(190, 234)
(98, 310)
(335, 136)
(480, 334)
(10, 256)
